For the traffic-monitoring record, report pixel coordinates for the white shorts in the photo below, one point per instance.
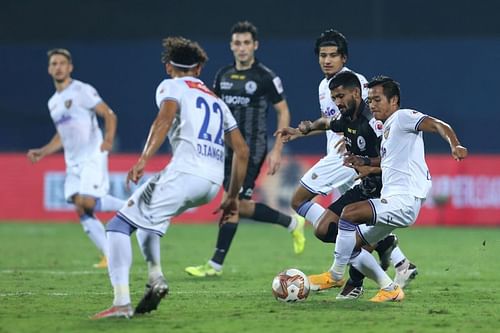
(166, 194)
(327, 174)
(390, 213)
(88, 178)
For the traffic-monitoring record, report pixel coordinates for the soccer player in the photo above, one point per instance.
(405, 182)
(73, 108)
(198, 125)
(248, 87)
(331, 47)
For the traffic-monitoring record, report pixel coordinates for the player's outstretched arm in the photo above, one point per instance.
(110, 120)
(55, 144)
(229, 206)
(430, 124)
(274, 156)
(157, 134)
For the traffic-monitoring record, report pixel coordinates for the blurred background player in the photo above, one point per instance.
(73, 109)
(405, 183)
(248, 87)
(198, 125)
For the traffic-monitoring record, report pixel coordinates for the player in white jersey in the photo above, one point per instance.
(198, 125)
(329, 173)
(405, 182)
(73, 108)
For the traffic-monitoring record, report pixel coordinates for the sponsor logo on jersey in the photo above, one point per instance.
(68, 103)
(361, 143)
(378, 125)
(314, 176)
(384, 201)
(278, 85)
(250, 87)
(64, 119)
(236, 100)
(352, 130)
(237, 77)
(329, 112)
(225, 85)
(130, 203)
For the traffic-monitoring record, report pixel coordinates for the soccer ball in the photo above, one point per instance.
(291, 285)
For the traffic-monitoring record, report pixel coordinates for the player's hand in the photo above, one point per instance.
(229, 208)
(352, 161)
(135, 173)
(35, 155)
(106, 146)
(363, 171)
(274, 160)
(305, 126)
(459, 152)
(287, 134)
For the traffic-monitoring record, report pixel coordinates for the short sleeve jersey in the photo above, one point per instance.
(362, 137)
(404, 170)
(72, 112)
(248, 93)
(329, 109)
(197, 132)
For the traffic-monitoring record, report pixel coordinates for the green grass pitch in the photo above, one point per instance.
(47, 284)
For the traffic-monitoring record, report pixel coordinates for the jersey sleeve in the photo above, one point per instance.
(409, 120)
(167, 90)
(274, 87)
(89, 96)
(229, 121)
(216, 84)
(337, 124)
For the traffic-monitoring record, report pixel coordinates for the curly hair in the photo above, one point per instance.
(183, 53)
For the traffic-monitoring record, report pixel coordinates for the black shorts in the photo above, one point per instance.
(353, 195)
(254, 165)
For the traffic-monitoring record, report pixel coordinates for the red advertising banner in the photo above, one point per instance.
(463, 193)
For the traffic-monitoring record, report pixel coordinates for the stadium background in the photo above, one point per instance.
(445, 54)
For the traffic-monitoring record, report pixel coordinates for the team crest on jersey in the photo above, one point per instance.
(250, 87)
(68, 103)
(130, 203)
(361, 143)
(386, 132)
(314, 176)
(384, 201)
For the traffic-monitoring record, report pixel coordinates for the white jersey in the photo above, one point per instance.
(72, 113)
(197, 132)
(404, 170)
(330, 110)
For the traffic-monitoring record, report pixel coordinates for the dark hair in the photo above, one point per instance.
(347, 79)
(332, 37)
(389, 86)
(184, 52)
(63, 52)
(245, 26)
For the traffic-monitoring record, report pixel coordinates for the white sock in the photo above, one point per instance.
(314, 213)
(96, 232)
(366, 264)
(397, 256)
(149, 243)
(119, 262)
(108, 203)
(216, 266)
(293, 224)
(345, 243)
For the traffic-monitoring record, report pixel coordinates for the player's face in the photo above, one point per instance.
(243, 47)
(330, 61)
(380, 106)
(345, 100)
(59, 68)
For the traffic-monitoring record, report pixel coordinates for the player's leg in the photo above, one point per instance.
(120, 260)
(108, 203)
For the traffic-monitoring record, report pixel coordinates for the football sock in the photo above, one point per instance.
(96, 232)
(345, 243)
(397, 256)
(366, 264)
(149, 243)
(224, 239)
(108, 203)
(264, 213)
(331, 234)
(311, 211)
(355, 277)
(119, 262)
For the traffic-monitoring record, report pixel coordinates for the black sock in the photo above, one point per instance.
(266, 214)
(355, 277)
(224, 239)
(385, 244)
(331, 234)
